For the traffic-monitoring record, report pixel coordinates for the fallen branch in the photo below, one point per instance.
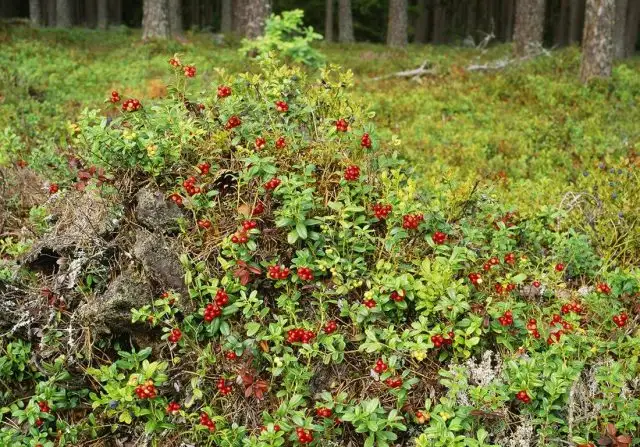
(502, 63)
(422, 70)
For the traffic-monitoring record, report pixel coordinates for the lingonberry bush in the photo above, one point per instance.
(329, 294)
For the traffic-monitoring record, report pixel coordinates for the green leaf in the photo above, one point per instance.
(292, 236)
(301, 229)
(252, 329)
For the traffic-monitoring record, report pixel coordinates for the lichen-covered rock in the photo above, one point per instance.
(159, 260)
(156, 213)
(111, 312)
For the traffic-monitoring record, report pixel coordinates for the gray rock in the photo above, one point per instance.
(159, 260)
(156, 213)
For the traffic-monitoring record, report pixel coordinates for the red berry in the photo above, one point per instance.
(411, 221)
(536, 284)
(189, 71)
(330, 327)
(475, 278)
(175, 335)
(342, 125)
(131, 105)
(44, 407)
(324, 412)
(115, 97)
(232, 122)
(53, 188)
(380, 366)
(559, 267)
(224, 91)
(173, 407)
(397, 297)
(510, 258)
(258, 209)
(230, 355)
(204, 224)
(211, 311)
(439, 237)
(272, 184)
(381, 211)
(204, 168)
(260, 143)
(351, 173)
(221, 298)
(175, 62)
(304, 435)
(281, 143)
(282, 106)
(305, 274)
(603, 288)
(365, 141)
(370, 303)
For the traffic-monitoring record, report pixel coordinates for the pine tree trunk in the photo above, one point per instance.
(529, 26)
(155, 19)
(90, 17)
(472, 16)
(397, 25)
(509, 19)
(226, 21)
(175, 17)
(597, 40)
(633, 23)
(239, 17)
(35, 13)
(576, 18)
(328, 20)
(619, 29)
(64, 14)
(115, 16)
(256, 14)
(560, 31)
(345, 22)
(439, 22)
(51, 13)
(194, 9)
(422, 24)
(208, 14)
(103, 14)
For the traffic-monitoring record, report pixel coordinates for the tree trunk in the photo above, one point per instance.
(64, 14)
(328, 20)
(208, 14)
(115, 17)
(397, 25)
(509, 19)
(529, 26)
(194, 10)
(597, 40)
(175, 17)
(345, 22)
(256, 14)
(422, 24)
(633, 22)
(576, 18)
(90, 17)
(51, 12)
(35, 13)
(439, 22)
(226, 21)
(239, 17)
(471, 25)
(619, 29)
(103, 14)
(560, 31)
(155, 19)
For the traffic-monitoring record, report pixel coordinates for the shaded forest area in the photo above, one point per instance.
(428, 21)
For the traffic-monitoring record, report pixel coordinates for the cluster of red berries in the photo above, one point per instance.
(231, 356)
(115, 97)
(506, 319)
(260, 143)
(190, 186)
(146, 390)
(573, 306)
(176, 198)
(224, 388)
(276, 428)
(554, 337)
(204, 224)
(380, 366)
(352, 173)
(603, 288)
(442, 340)
(490, 263)
(44, 406)
(39, 423)
(475, 278)
(207, 422)
(175, 335)
(300, 335)
(381, 211)
(173, 407)
(532, 327)
(21, 164)
(240, 237)
(278, 272)
(165, 295)
(221, 298)
(621, 319)
(510, 258)
(523, 397)
(342, 125)
(439, 237)
(174, 62)
(258, 209)
(305, 274)
(131, 105)
(324, 412)
(365, 141)
(411, 221)
(304, 435)
(224, 91)
(232, 122)
(281, 143)
(249, 225)
(53, 188)
(394, 382)
(211, 311)
(204, 168)
(559, 267)
(330, 327)
(190, 71)
(282, 106)
(272, 184)
(370, 303)
(500, 289)
(397, 297)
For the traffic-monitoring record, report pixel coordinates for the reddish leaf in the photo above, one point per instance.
(611, 429)
(624, 440)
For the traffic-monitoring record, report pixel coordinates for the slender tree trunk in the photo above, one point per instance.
(35, 13)
(560, 31)
(597, 40)
(257, 12)
(103, 14)
(510, 11)
(472, 16)
(155, 19)
(90, 16)
(64, 14)
(439, 22)
(619, 29)
(239, 17)
(194, 9)
(397, 25)
(208, 14)
(175, 17)
(422, 23)
(633, 23)
(529, 26)
(345, 22)
(226, 21)
(328, 20)
(51, 13)
(115, 15)
(576, 18)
